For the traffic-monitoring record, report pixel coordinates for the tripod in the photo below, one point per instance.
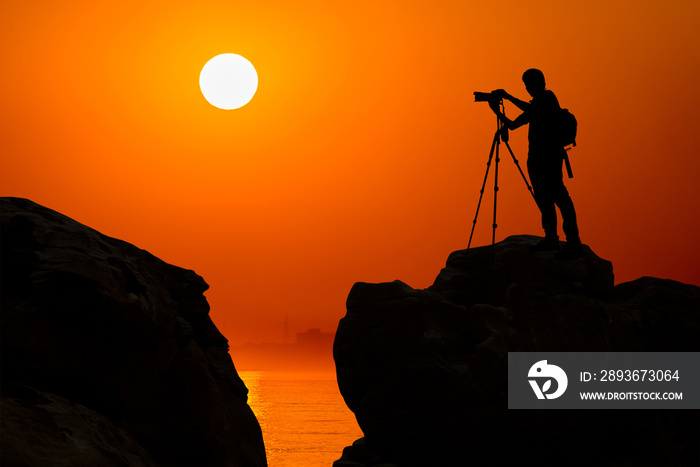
(500, 135)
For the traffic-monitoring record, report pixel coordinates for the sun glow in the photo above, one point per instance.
(228, 81)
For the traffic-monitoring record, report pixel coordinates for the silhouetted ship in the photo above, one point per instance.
(313, 351)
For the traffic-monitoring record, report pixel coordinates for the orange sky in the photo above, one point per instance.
(361, 155)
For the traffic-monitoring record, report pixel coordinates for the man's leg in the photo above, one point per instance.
(568, 215)
(572, 249)
(541, 187)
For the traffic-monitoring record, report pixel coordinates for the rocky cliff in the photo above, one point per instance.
(109, 356)
(425, 371)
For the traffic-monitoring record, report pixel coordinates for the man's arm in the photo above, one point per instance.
(519, 121)
(522, 105)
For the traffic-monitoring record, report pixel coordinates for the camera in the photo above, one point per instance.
(487, 97)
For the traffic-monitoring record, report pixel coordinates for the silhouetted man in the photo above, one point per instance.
(544, 163)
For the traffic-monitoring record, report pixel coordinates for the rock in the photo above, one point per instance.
(359, 455)
(425, 371)
(109, 356)
(41, 428)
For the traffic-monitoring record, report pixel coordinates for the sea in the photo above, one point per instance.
(303, 417)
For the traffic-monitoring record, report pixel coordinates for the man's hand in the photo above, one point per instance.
(495, 106)
(501, 94)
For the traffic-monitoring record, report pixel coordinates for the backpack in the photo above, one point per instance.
(565, 128)
(565, 131)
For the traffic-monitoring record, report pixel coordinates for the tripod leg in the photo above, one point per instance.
(483, 185)
(495, 200)
(520, 170)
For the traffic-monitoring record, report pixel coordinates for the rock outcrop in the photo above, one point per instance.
(109, 356)
(425, 371)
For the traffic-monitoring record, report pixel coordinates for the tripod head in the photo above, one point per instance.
(495, 101)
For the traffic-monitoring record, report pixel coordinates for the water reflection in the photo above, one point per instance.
(303, 417)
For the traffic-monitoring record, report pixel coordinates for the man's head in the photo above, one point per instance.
(534, 81)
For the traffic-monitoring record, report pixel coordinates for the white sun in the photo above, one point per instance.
(228, 81)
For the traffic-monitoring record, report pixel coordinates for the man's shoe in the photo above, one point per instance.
(570, 251)
(546, 244)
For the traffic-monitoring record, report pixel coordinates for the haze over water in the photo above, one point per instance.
(303, 417)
